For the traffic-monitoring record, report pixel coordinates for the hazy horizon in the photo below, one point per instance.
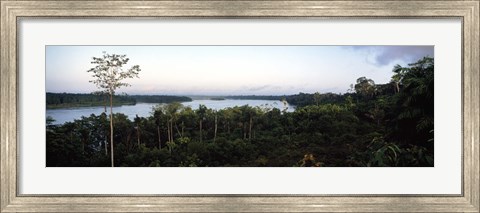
(232, 70)
(187, 95)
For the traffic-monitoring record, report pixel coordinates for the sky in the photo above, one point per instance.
(232, 70)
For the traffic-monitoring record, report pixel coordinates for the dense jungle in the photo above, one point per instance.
(371, 125)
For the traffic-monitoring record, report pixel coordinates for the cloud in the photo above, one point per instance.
(384, 55)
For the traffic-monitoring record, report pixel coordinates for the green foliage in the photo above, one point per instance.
(109, 74)
(160, 98)
(414, 104)
(63, 100)
(380, 153)
(191, 161)
(304, 99)
(377, 125)
(365, 87)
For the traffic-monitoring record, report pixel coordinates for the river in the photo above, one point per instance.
(144, 109)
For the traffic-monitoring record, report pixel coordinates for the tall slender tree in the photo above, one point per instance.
(158, 113)
(109, 75)
(317, 98)
(137, 121)
(216, 126)
(202, 111)
(105, 97)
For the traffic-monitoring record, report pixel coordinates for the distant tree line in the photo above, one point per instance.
(160, 98)
(256, 97)
(63, 100)
(60, 100)
(371, 125)
(305, 99)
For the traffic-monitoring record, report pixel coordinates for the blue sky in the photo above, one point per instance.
(232, 70)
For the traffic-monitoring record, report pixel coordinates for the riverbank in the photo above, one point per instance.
(75, 100)
(95, 104)
(145, 109)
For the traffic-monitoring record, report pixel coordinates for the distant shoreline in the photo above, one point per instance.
(72, 100)
(67, 106)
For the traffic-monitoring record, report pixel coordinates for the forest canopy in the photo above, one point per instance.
(63, 100)
(371, 125)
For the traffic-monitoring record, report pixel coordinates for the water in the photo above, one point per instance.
(144, 109)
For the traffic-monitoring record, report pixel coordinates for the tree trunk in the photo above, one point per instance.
(105, 104)
(159, 138)
(178, 131)
(168, 131)
(250, 128)
(106, 144)
(171, 130)
(200, 130)
(129, 136)
(244, 131)
(138, 135)
(215, 134)
(83, 146)
(183, 128)
(111, 129)
(105, 110)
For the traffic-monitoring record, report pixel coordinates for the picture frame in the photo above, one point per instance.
(12, 201)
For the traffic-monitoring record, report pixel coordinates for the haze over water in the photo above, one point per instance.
(144, 109)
